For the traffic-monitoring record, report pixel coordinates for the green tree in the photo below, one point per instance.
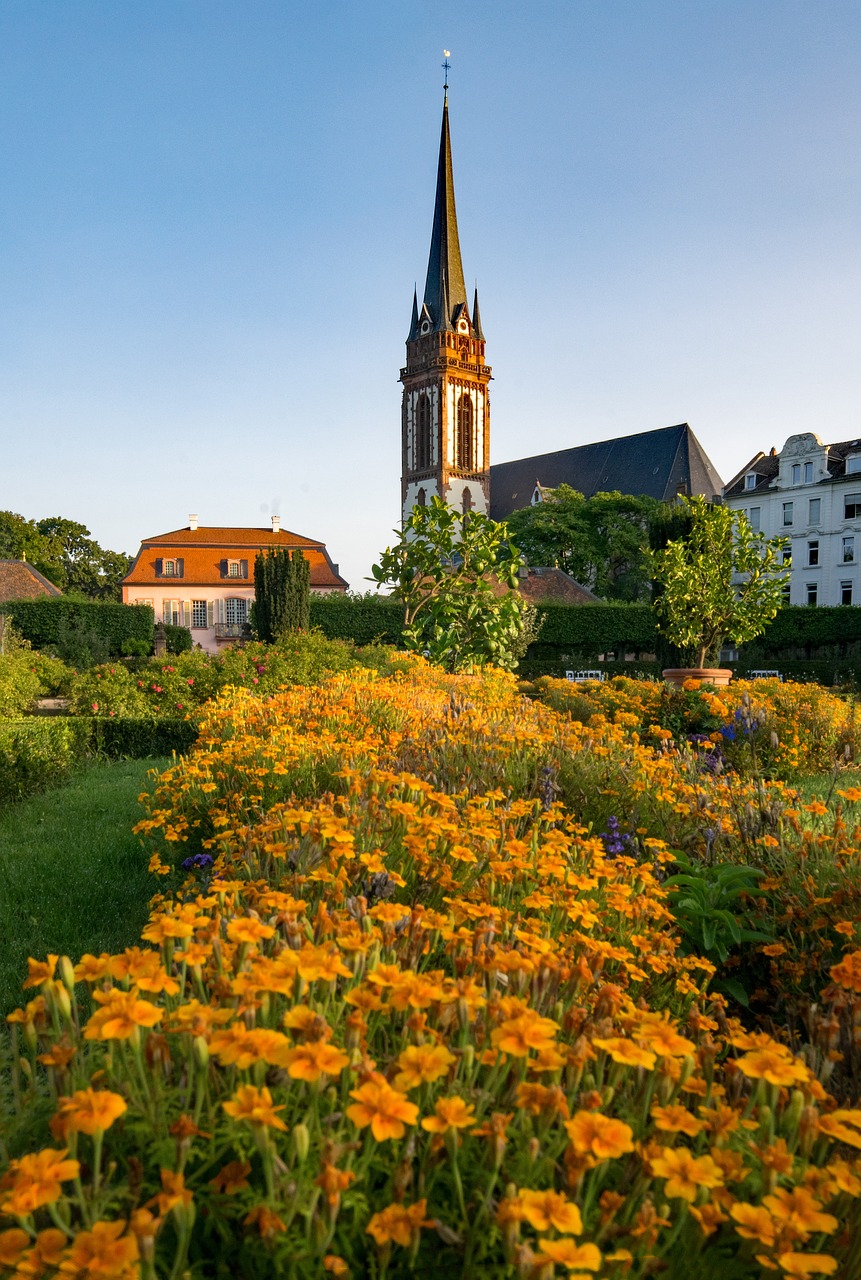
(456, 576)
(722, 581)
(282, 588)
(598, 541)
(85, 567)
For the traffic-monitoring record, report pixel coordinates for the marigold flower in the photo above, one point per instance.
(627, 1052)
(89, 1110)
(335, 1266)
(254, 1106)
(102, 1252)
(12, 1244)
(775, 1067)
(312, 1060)
(174, 1193)
(676, 1119)
(232, 1177)
(266, 1221)
(35, 1180)
(800, 1265)
(451, 1113)
(528, 1031)
(800, 1210)
(421, 1063)
(600, 1136)
(383, 1108)
(120, 1016)
(847, 973)
(546, 1209)
(753, 1222)
(39, 971)
(565, 1253)
(249, 930)
(684, 1172)
(398, 1223)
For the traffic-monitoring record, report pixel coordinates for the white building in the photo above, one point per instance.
(810, 493)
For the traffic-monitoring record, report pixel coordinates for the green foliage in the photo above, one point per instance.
(599, 541)
(709, 902)
(282, 590)
(20, 683)
(65, 553)
(721, 582)
(456, 576)
(178, 638)
(134, 648)
(42, 622)
(38, 752)
(140, 737)
(365, 619)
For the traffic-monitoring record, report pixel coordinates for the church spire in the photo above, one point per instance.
(445, 268)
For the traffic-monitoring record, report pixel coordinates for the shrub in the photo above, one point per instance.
(20, 682)
(41, 621)
(140, 737)
(178, 639)
(37, 753)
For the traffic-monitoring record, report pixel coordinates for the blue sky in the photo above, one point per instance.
(213, 212)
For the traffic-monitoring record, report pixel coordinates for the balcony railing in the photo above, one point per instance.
(230, 630)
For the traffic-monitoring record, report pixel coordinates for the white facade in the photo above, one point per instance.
(809, 493)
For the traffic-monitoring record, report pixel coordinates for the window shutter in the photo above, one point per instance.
(186, 613)
(243, 568)
(158, 567)
(180, 567)
(224, 568)
(168, 611)
(210, 613)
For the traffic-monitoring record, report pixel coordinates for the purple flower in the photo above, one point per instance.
(201, 860)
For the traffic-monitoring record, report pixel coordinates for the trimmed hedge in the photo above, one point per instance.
(37, 753)
(366, 619)
(40, 621)
(136, 737)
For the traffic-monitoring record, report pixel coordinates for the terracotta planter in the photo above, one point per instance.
(706, 675)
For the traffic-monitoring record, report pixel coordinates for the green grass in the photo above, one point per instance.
(73, 878)
(822, 786)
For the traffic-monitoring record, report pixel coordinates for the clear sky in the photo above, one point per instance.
(213, 212)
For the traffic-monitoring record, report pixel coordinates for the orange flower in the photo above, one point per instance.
(242, 1047)
(232, 1177)
(626, 1052)
(312, 1060)
(420, 1063)
(600, 1136)
(89, 1110)
(799, 1210)
(39, 971)
(12, 1244)
(35, 1180)
(174, 1193)
(334, 1265)
(266, 1221)
(546, 1209)
(847, 973)
(321, 963)
(568, 1254)
(776, 1067)
(248, 929)
(800, 1265)
(255, 1107)
(103, 1252)
(754, 1223)
(685, 1173)
(451, 1113)
(122, 1013)
(383, 1108)
(398, 1223)
(517, 1036)
(676, 1119)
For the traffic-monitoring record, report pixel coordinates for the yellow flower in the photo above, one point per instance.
(420, 1063)
(626, 1051)
(451, 1113)
(35, 1180)
(102, 1252)
(565, 1253)
(312, 1060)
(120, 1016)
(754, 1223)
(39, 971)
(599, 1136)
(254, 1106)
(89, 1110)
(776, 1067)
(383, 1108)
(799, 1210)
(517, 1036)
(546, 1209)
(685, 1173)
(398, 1223)
(676, 1119)
(799, 1265)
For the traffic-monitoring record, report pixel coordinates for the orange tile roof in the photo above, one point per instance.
(202, 552)
(20, 581)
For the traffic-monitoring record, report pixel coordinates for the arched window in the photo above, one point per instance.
(465, 451)
(423, 433)
(421, 498)
(466, 501)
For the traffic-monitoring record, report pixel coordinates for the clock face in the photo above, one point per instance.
(425, 327)
(462, 326)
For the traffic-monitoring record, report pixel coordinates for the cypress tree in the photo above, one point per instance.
(302, 590)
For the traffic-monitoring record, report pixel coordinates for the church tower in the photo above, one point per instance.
(445, 416)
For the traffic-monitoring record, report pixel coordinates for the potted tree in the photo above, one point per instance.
(722, 581)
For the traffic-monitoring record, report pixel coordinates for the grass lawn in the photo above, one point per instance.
(73, 878)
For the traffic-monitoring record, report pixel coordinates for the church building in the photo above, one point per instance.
(445, 416)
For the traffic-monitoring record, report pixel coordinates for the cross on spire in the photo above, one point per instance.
(446, 66)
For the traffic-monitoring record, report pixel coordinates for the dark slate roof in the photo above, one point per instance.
(444, 287)
(20, 581)
(653, 464)
(765, 467)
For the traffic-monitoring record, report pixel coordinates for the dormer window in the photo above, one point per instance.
(170, 569)
(796, 473)
(234, 569)
(750, 480)
(853, 464)
(808, 473)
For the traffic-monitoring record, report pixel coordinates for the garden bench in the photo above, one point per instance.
(578, 677)
(764, 675)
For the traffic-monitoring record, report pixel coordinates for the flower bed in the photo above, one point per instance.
(405, 1014)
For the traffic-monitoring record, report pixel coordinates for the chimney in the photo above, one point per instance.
(276, 524)
(192, 522)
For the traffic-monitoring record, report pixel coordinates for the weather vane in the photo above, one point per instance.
(446, 65)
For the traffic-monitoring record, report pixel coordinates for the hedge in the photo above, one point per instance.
(37, 753)
(40, 621)
(364, 619)
(136, 737)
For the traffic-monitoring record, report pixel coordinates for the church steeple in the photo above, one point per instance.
(445, 426)
(445, 268)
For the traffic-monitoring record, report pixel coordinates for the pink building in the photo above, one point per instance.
(203, 578)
